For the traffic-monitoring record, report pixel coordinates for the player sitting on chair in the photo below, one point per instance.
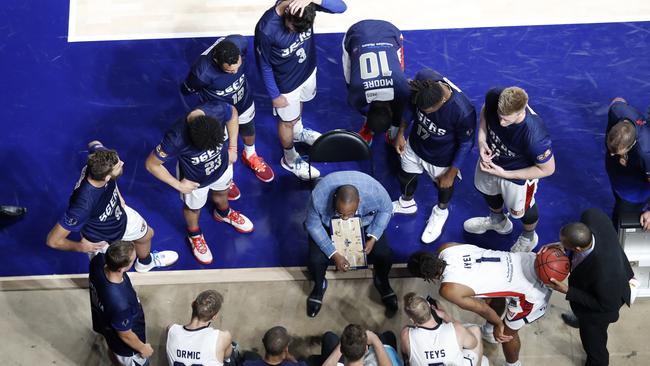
(347, 194)
(359, 347)
(442, 136)
(515, 152)
(197, 342)
(373, 68)
(468, 274)
(434, 339)
(219, 74)
(97, 209)
(276, 343)
(205, 144)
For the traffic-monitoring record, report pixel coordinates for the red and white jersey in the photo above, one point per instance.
(192, 347)
(492, 273)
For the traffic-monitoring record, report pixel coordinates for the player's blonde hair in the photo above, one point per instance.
(512, 100)
(417, 308)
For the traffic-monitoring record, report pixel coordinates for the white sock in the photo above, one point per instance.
(437, 208)
(406, 203)
(249, 149)
(290, 155)
(518, 363)
(297, 129)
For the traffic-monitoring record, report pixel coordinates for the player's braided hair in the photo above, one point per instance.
(425, 93)
(302, 22)
(206, 133)
(101, 163)
(426, 265)
(225, 52)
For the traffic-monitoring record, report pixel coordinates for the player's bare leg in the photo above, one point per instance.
(223, 213)
(191, 217)
(291, 160)
(143, 245)
(512, 347)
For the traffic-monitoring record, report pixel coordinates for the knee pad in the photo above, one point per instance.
(494, 202)
(408, 182)
(247, 129)
(531, 215)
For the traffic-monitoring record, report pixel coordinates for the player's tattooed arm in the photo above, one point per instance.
(233, 131)
(155, 166)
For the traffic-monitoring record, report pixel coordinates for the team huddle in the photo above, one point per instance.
(515, 152)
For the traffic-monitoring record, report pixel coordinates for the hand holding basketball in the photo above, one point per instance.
(552, 263)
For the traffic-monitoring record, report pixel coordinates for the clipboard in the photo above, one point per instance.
(349, 240)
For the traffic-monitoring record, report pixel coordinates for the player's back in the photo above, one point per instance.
(434, 346)
(492, 273)
(375, 67)
(192, 347)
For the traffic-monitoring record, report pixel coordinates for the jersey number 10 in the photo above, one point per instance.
(371, 63)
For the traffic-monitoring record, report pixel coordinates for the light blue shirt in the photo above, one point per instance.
(375, 207)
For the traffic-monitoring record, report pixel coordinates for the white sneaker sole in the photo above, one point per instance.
(316, 172)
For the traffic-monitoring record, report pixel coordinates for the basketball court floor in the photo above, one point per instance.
(110, 70)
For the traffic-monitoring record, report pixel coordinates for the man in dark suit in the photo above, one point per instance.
(599, 281)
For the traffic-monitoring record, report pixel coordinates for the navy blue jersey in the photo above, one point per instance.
(519, 145)
(201, 166)
(376, 71)
(286, 59)
(114, 307)
(96, 212)
(630, 182)
(212, 83)
(446, 136)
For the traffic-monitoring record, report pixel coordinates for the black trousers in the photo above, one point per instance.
(381, 256)
(622, 207)
(593, 335)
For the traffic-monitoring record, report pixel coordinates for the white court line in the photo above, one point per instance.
(102, 20)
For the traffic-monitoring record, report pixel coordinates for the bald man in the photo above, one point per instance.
(344, 195)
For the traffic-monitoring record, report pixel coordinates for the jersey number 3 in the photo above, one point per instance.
(371, 64)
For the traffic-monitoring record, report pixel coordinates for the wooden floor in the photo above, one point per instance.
(52, 327)
(92, 20)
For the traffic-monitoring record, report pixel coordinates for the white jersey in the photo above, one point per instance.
(192, 347)
(492, 273)
(435, 346)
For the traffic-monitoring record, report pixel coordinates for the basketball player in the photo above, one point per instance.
(197, 343)
(219, 74)
(628, 161)
(441, 138)
(434, 341)
(116, 310)
(97, 210)
(286, 57)
(276, 349)
(205, 145)
(515, 152)
(373, 67)
(361, 347)
(468, 273)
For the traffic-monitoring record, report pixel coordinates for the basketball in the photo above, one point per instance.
(552, 263)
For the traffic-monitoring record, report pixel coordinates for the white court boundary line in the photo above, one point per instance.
(137, 24)
(180, 277)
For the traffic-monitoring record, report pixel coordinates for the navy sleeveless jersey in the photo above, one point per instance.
(290, 55)
(630, 182)
(212, 83)
(114, 307)
(446, 136)
(519, 145)
(376, 71)
(96, 212)
(203, 167)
